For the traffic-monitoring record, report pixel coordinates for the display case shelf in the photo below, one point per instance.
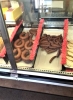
(16, 71)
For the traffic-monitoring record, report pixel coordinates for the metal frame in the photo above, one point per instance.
(39, 74)
(6, 40)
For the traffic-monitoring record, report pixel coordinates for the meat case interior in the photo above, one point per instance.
(36, 39)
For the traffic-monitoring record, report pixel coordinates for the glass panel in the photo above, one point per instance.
(19, 35)
(48, 52)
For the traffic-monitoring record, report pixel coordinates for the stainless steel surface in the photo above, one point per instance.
(54, 24)
(56, 15)
(45, 75)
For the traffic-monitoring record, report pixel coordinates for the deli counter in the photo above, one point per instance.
(36, 45)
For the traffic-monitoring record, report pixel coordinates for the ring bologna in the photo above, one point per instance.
(33, 31)
(19, 43)
(51, 43)
(28, 45)
(24, 36)
(30, 36)
(22, 49)
(17, 53)
(25, 56)
(51, 51)
(18, 60)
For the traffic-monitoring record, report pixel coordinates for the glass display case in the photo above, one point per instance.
(37, 39)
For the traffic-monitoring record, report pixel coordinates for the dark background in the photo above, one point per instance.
(13, 94)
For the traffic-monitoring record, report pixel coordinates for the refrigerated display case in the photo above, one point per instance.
(37, 50)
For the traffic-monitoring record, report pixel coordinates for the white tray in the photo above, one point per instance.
(42, 60)
(21, 65)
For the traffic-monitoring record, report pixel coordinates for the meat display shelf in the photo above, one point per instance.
(37, 78)
(42, 59)
(22, 65)
(3, 51)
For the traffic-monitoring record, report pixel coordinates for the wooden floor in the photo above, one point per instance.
(13, 94)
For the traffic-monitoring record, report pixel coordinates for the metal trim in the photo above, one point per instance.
(45, 75)
(39, 74)
(36, 81)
